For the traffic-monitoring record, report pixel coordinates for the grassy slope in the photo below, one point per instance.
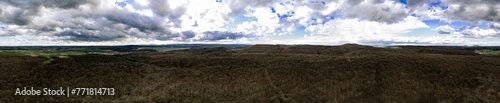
(339, 74)
(488, 52)
(48, 55)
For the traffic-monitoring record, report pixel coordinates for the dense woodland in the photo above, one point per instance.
(265, 73)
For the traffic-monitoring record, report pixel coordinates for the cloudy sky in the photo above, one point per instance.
(324, 22)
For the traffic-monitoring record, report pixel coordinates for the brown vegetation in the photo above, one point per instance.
(264, 73)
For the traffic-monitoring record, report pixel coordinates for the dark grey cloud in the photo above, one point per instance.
(472, 10)
(378, 1)
(29, 8)
(163, 9)
(4, 32)
(18, 17)
(354, 2)
(141, 22)
(88, 35)
(443, 32)
(185, 35)
(375, 10)
(66, 4)
(495, 26)
(445, 29)
(160, 7)
(221, 35)
(417, 3)
(99, 20)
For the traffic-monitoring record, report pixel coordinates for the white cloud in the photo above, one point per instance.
(266, 24)
(455, 39)
(358, 21)
(142, 2)
(476, 32)
(353, 30)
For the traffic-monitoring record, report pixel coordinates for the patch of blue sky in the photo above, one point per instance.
(327, 18)
(7, 39)
(273, 10)
(286, 15)
(483, 25)
(240, 19)
(457, 25)
(124, 3)
(414, 15)
(403, 2)
(434, 23)
(324, 18)
(421, 32)
(437, 3)
(299, 32)
(3, 25)
(433, 4)
(317, 2)
(314, 21)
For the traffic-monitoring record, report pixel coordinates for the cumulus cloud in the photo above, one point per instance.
(354, 30)
(454, 39)
(387, 11)
(105, 20)
(476, 32)
(468, 10)
(495, 26)
(210, 20)
(287, 16)
(433, 40)
(308, 12)
(241, 6)
(445, 29)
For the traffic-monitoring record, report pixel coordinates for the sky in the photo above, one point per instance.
(316, 22)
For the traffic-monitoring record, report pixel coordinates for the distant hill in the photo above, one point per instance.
(307, 49)
(122, 47)
(356, 49)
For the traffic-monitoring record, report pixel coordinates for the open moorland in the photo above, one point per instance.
(259, 73)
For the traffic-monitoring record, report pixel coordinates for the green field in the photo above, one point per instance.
(49, 55)
(40, 52)
(488, 52)
(10, 52)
